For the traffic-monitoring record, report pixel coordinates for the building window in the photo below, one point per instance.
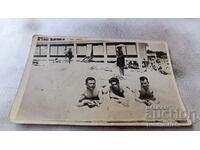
(98, 50)
(81, 50)
(60, 50)
(53, 51)
(111, 51)
(41, 51)
(131, 50)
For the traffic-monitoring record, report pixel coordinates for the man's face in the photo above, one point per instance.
(145, 83)
(91, 84)
(115, 85)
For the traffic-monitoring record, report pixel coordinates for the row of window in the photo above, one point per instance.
(85, 50)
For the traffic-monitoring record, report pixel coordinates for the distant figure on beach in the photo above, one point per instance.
(120, 60)
(145, 64)
(68, 54)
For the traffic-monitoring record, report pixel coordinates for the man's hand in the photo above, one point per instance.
(80, 100)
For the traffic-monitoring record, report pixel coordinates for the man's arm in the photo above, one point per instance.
(123, 100)
(112, 95)
(82, 97)
(145, 101)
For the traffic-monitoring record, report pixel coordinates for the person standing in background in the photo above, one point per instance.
(69, 54)
(120, 60)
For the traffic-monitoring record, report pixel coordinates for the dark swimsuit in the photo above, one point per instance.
(92, 98)
(146, 94)
(118, 93)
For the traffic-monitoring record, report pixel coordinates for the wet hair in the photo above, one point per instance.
(113, 79)
(142, 78)
(89, 78)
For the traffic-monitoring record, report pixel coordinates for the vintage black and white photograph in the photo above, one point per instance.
(82, 81)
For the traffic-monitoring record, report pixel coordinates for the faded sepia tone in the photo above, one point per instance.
(54, 81)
